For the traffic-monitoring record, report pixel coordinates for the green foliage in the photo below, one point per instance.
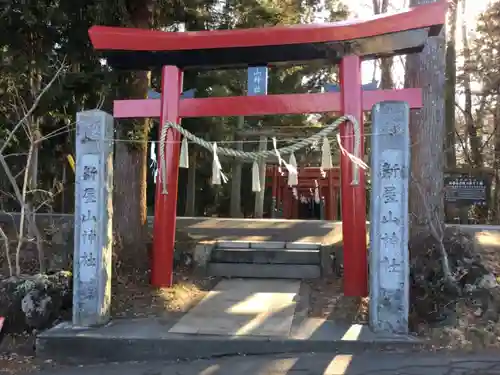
(37, 36)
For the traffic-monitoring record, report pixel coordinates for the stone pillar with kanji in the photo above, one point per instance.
(93, 219)
(389, 224)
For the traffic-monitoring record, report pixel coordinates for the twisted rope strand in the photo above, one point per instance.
(163, 160)
(256, 155)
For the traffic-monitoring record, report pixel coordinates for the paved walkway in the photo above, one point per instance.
(314, 231)
(243, 307)
(308, 364)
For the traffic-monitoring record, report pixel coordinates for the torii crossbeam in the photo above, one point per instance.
(346, 43)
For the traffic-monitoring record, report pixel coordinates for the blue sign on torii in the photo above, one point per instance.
(257, 80)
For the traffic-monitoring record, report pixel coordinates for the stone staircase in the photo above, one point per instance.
(276, 260)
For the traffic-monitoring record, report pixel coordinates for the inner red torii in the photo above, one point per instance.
(346, 43)
(308, 177)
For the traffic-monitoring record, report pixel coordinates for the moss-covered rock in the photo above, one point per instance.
(35, 302)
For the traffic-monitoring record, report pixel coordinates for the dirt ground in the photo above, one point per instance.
(468, 330)
(327, 301)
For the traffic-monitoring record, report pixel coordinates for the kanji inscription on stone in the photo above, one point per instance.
(93, 215)
(389, 265)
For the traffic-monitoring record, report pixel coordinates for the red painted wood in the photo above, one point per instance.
(332, 212)
(279, 195)
(274, 182)
(286, 202)
(307, 172)
(295, 207)
(335, 204)
(309, 184)
(289, 198)
(262, 105)
(166, 205)
(129, 39)
(353, 197)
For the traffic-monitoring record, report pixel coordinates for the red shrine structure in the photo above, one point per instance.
(283, 197)
(346, 43)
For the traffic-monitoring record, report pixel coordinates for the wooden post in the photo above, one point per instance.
(353, 197)
(166, 204)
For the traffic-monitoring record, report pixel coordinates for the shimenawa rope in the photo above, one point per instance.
(257, 155)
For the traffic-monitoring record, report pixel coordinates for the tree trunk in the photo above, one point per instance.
(386, 81)
(496, 196)
(191, 186)
(130, 204)
(259, 196)
(427, 128)
(451, 81)
(235, 205)
(472, 131)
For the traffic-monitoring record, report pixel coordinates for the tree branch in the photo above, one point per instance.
(7, 252)
(33, 107)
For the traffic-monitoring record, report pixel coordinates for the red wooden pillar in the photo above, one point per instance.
(295, 204)
(284, 198)
(335, 203)
(166, 204)
(279, 195)
(274, 190)
(288, 197)
(331, 197)
(325, 199)
(353, 197)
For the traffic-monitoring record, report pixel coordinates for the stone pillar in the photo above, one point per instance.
(93, 219)
(389, 226)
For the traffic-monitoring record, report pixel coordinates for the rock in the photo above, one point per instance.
(35, 302)
(433, 297)
(478, 312)
(488, 281)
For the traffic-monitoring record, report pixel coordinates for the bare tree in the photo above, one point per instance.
(451, 81)
(386, 82)
(22, 191)
(471, 126)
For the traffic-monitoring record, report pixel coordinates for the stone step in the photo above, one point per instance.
(265, 271)
(268, 245)
(261, 256)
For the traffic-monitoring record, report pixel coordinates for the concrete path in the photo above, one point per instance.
(308, 364)
(313, 231)
(243, 307)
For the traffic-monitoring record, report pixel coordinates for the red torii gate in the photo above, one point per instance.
(282, 195)
(344, 43)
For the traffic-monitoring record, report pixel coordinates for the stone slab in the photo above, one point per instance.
(233, 244)
(265, 271)
(148, 339)
(256, 256)
(268, 245)
(303, 245)
(243, 307)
